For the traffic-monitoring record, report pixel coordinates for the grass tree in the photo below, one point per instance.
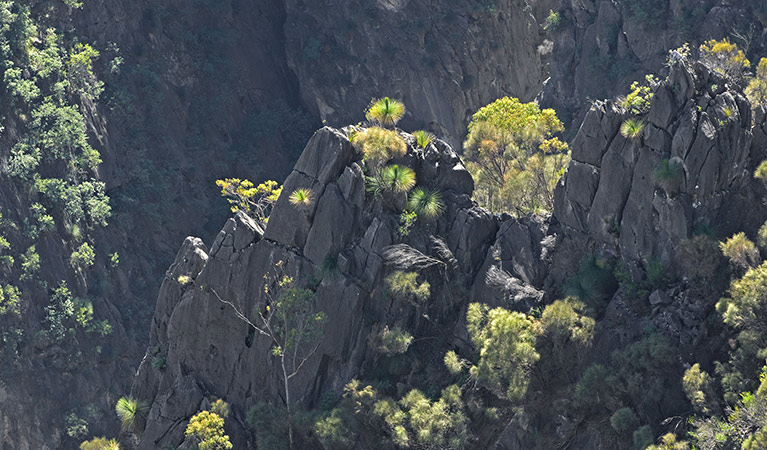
(426, 203)
(290, 322)
(632, 128)
(301, 198)
(423, 138)
(132, 413)
(385, 111)
(391, 179)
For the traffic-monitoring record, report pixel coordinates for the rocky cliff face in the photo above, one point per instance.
(467, 254)
(601, 46)
(444, 63)
(217, 356)
(612, 191)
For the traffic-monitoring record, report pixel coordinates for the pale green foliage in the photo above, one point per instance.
(698, 387)
(423, 138)
(30, 263)
(624, 420)
(513, 157)
(331, 431)
(506, 344)
(83, 257)
(740, 251)
(100, 443)
(132, 413)
(638, 101)
(632, 128)
(426, 203)
(417, 421)
(220, 407)
(10, 300)
(76, 427)
(208, 429)
(385, 112)
(746, 305)
(761, 171)
(724, 57)
(405, 286)
(379, 145)
(563, 321)
(553, 21)
(243, 195)
(392, 341)
(669, 442)
(761, 237)
(453, 363)
(757, 87)
(564, 333)
(302, 197)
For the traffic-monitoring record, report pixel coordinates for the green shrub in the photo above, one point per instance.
(643, 437)
(207, 428)
(426, 203)
(76, 427)
(83, 257)
(699, 256)
(392, 341)
(405, 286)
(100, 443)
(30, 263)
(639, 100)
(724, 57)
(10, 300)
(698, 387)
(385, 112)
(624, 420)
(740, 251)
(553, 21)
(757, 87)
(506, 344)
(632, 128)
(454, 364)
(761, 171)
(379, 145)
(332, 432)
(590, 390)
(594, 284)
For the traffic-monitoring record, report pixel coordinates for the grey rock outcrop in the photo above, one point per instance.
(348, 244)
(612, 192)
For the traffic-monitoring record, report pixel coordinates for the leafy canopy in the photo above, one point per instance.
(506, 343)
(513, 156)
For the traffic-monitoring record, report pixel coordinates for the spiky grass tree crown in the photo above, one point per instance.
(301, 197)
(385, 111)
(423, 138)
(426, 203)
(397, 178)
(632, 128)
(132, 413)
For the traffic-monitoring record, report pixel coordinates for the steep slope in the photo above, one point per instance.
(601, 46)
(345, 245)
